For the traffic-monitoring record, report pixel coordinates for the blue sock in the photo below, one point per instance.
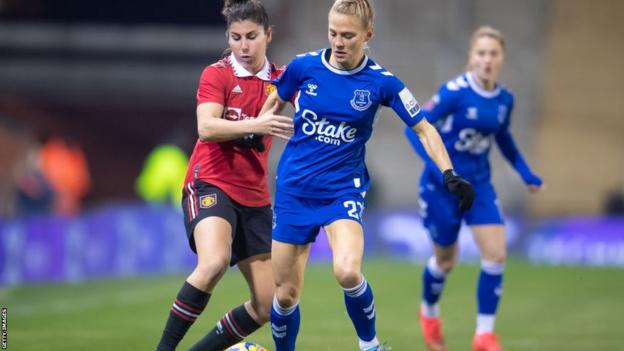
(284, 326)
(433, 283)
(489, 292)
(361, 308)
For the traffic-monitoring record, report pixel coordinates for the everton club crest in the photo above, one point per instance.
(361, 100)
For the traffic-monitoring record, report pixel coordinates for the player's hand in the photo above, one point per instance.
(536, 188)
(460, 188)
(534, 183)
(276, 125)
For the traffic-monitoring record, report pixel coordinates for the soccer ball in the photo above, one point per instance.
(246, 346)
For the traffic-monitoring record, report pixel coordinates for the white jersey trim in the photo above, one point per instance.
(241, 72)
(340, 71)
(477, 89)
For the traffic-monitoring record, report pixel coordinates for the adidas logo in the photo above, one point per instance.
(237, 89)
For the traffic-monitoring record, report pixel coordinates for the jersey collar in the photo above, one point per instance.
(477, 88)
(241, 72)
(340, 71)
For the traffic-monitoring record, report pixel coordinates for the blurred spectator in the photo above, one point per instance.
(162, 177)
(12, 145)
(63, 162)
(34, 193)
(614, 204)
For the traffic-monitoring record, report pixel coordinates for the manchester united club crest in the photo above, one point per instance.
(269, 88)
(361, 100)
(207, 201)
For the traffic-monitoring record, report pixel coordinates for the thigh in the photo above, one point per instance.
(440, 214)
(491, 241)
(346, 238)
(253, 232)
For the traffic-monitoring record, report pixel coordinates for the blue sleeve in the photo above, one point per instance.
(510, 151)
(442, 104)
(395, 95)
(288, 82)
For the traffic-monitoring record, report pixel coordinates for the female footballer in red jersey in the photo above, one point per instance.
(226, 205)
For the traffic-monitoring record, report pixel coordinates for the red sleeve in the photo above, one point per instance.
(212, 85)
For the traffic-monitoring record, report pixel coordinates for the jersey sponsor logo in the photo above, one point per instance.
(207, 201)
(409, 102)
(311, 90)
(235, 114)
(472, 141)
(325, 131)
(237, 89)
(361, 100)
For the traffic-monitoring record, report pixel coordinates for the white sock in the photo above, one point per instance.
(485, 323)
(365, 345)
(430, 311)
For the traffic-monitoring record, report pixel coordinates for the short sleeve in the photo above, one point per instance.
(442, 104)
(288, 82)
(396, 96)
(212, 86)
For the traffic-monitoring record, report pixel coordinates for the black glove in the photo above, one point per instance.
(460, 188)
(251, 141)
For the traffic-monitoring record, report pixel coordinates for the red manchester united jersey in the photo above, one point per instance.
(239, 171)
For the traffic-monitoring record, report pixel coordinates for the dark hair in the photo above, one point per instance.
(241, 10)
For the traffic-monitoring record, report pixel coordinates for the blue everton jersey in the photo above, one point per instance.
(469, 119)
(334, 115)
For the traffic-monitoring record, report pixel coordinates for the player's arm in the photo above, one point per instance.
(212, 127)
(405, 105)
(433, 145)
(510, 151)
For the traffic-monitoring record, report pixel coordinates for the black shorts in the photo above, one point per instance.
(251, 226)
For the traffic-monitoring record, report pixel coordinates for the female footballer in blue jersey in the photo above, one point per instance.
(469, 111)
(322, 178)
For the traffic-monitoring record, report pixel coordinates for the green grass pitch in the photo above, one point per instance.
(543, 308)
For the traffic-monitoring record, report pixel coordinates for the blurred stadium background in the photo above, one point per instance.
(90, 259)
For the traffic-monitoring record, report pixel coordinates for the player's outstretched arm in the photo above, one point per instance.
(212, 127)
(432, 142)
(270, 122)
(510, 151)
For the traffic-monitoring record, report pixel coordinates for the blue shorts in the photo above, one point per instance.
(442, 217)
(297, 220)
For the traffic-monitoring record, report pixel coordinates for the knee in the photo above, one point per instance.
(446, 263)
(211, 270)
(287, 294)
(347, 275)
(498, 257)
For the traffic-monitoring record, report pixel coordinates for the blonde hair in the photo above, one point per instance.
(487, 32)
(360, 8)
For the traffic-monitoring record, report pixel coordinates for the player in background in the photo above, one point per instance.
(469, 112)
(226, 202)
(322, 177)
